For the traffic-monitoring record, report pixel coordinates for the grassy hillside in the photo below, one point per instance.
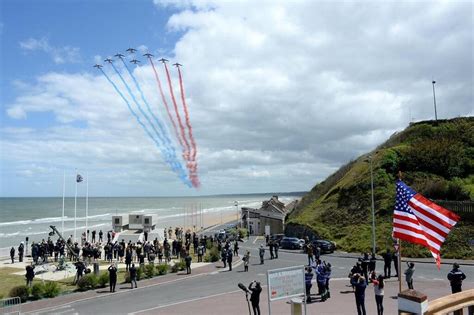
(437, 160)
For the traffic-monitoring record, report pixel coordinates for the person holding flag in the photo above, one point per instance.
(418, 220)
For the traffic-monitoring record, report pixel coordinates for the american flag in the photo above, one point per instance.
(418, 220)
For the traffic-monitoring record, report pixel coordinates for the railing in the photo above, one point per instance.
(10, 305)
(453, 303)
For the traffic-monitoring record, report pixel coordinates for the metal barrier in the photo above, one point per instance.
(10, 305)
(454, 303)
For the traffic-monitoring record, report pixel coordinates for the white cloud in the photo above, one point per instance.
(60, 55)
(280, 94)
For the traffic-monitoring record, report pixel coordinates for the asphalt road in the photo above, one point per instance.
(181, 288)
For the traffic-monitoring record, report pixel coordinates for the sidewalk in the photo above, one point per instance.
(341, 302)
(198, 269)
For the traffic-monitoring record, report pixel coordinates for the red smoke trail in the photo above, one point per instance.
(193, 176)
(166, 103)
(186, 114)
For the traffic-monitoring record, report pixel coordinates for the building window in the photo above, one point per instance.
(147, 220)
(117, 221)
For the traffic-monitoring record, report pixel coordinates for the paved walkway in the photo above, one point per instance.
(341, 302)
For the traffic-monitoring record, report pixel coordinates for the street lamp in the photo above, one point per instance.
(373, 204)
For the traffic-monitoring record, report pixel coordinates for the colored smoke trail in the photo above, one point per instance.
(181, 127)
(188, 124)
(174, 163)
(163, 98)
(167, 140)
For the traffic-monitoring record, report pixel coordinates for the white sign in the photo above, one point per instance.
(285, 283)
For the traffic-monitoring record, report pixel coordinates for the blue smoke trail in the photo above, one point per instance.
(168, 147)
(180, 172)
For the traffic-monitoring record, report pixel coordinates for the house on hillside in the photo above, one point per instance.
(268, 219)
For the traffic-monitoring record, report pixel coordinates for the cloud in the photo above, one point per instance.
(60, 55)
(280, 94)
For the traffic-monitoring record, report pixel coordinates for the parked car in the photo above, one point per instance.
(290, 243)
(327, 247)
(277, 237)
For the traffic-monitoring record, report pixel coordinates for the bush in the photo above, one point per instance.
(178, 266)
(22, 291)
(162, 269)
(212, 255)
(103, 280)
(51, 289)
(37, 290)
(126, 278)
(140, 273)
(87, 282)
(149, 271)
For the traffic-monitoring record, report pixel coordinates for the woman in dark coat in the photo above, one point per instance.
(112, 277)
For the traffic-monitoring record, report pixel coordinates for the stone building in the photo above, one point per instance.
(268, 219)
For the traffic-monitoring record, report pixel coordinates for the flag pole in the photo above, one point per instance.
(64, 194)
(399, 262)
(75, 210)
(87, 203)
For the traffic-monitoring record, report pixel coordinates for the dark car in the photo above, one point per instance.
(325, 246)
(290, 243)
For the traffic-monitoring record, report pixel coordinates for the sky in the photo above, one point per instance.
(279, 94)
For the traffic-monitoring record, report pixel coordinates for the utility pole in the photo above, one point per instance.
(434, 101)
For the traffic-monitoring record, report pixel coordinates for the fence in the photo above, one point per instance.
(465, 209)
(454, 303)
(10, 306)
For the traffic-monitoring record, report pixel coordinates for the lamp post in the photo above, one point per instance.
(434, 100)
(373, 206)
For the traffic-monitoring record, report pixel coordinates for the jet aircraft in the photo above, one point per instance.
(131, 50)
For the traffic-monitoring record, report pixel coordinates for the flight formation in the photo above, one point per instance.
(130, 90)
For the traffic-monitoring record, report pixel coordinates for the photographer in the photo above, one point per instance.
(359, 284)
(255, 296)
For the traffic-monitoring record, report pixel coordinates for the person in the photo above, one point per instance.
(379, 292)
(270, 247)
(112, 277)
(456, 277)
(100, 236)
(236, 248)
(255, 296)
(246, 261)
(229, 259)
(328, 277)
(387, 264)
(133, 275)
(30, 274)
(224, 257)
(395, 263)
(372, 263)
(12, 254)
(261, 253)
(21, 249)
(93, 236)
(365, 266)
(317, 253)
(308, 277)
(409, 274)
(80, 267)
(309, 252)
(276, 246)
(359, 283)
(188, 259)
(200, 252)
(321, 279)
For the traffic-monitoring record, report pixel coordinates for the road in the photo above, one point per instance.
(182, 289)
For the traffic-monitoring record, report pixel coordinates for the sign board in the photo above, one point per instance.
(285, 283)
(267, 230)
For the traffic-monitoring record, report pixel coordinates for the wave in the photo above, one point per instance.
(52, 219)
(45, 232)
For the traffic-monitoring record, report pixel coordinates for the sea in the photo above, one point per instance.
(32, 217)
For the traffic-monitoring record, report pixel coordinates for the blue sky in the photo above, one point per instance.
(278, 92)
